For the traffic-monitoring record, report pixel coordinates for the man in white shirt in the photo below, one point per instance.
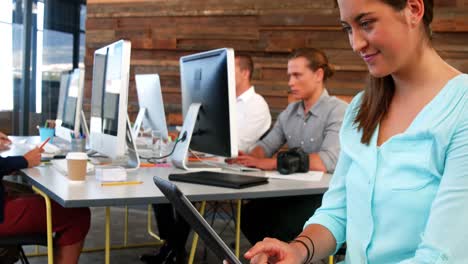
(253, 120)
(253, 114)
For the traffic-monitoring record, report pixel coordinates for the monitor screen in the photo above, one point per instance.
(107, 83)
(208, 78)
(109, 98)
(69, 107)
(70, 101)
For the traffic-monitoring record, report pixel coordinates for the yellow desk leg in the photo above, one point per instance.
(238, 222)
(149, 227)
(331, 260)
(50, 245)
(107, 245)
(195, 236)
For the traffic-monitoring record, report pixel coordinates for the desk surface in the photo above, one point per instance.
(90, 193)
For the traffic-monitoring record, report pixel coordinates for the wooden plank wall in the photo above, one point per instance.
(161, 31)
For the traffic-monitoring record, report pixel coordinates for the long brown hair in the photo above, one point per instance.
(379, 92)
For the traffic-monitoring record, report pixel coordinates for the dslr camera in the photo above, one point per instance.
(292, 161)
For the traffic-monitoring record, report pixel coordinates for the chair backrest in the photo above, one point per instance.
(24, 239)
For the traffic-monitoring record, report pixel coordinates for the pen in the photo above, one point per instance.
(121, 183)
(147, 165)
(45, 142)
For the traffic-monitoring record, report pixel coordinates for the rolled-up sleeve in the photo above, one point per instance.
(330, 148)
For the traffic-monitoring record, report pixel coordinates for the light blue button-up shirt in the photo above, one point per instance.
(407, 200)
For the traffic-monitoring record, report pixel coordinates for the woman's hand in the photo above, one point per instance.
(272, 250)
(33, 157)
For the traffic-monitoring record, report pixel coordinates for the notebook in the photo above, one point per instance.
(185, 208)
(221, 179)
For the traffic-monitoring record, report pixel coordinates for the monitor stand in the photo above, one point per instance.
(138, 121)
(179, 157)
(85, 129)
(131, 160)
(84, 125)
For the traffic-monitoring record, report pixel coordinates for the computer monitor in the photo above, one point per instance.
(110, 131)
(69, 113)
(151, 114)
(209, 105)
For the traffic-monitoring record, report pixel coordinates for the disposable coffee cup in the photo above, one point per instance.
(76, 162)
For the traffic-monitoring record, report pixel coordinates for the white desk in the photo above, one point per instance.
(90, 193)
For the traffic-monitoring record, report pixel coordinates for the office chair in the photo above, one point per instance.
(23, 240)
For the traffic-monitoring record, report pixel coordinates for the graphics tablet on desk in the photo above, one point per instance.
(185, 208)
(221, 179)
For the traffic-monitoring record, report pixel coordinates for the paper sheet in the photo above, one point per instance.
(314, 176)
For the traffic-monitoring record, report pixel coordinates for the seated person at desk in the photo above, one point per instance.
(26, 214)
(253, 120)
(312, 124)
(253, 114)
(400, 189)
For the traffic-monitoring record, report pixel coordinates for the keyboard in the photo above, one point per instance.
(237, 167)
(201, 166)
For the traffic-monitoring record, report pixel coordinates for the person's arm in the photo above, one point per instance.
(327, 228)
(316, 163)
(256, 158)
(260, 156)
(12, 163)
(33, 157)
(444, 238)
(257, 152)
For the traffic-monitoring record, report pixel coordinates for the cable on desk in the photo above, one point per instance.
(153, 159)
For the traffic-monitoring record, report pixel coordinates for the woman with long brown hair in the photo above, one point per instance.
(400, 188)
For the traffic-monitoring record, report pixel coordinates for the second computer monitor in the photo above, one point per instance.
(69, 106)
(151, 104)
(109, 99)
(208, 78)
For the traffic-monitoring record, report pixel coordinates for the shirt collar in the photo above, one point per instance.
(315, 109)
(245, 96)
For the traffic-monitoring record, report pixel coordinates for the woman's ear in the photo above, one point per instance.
(414, 12)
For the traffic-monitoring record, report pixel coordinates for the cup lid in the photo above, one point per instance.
(77, 156)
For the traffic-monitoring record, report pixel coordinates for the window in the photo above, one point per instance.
(6, 55)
